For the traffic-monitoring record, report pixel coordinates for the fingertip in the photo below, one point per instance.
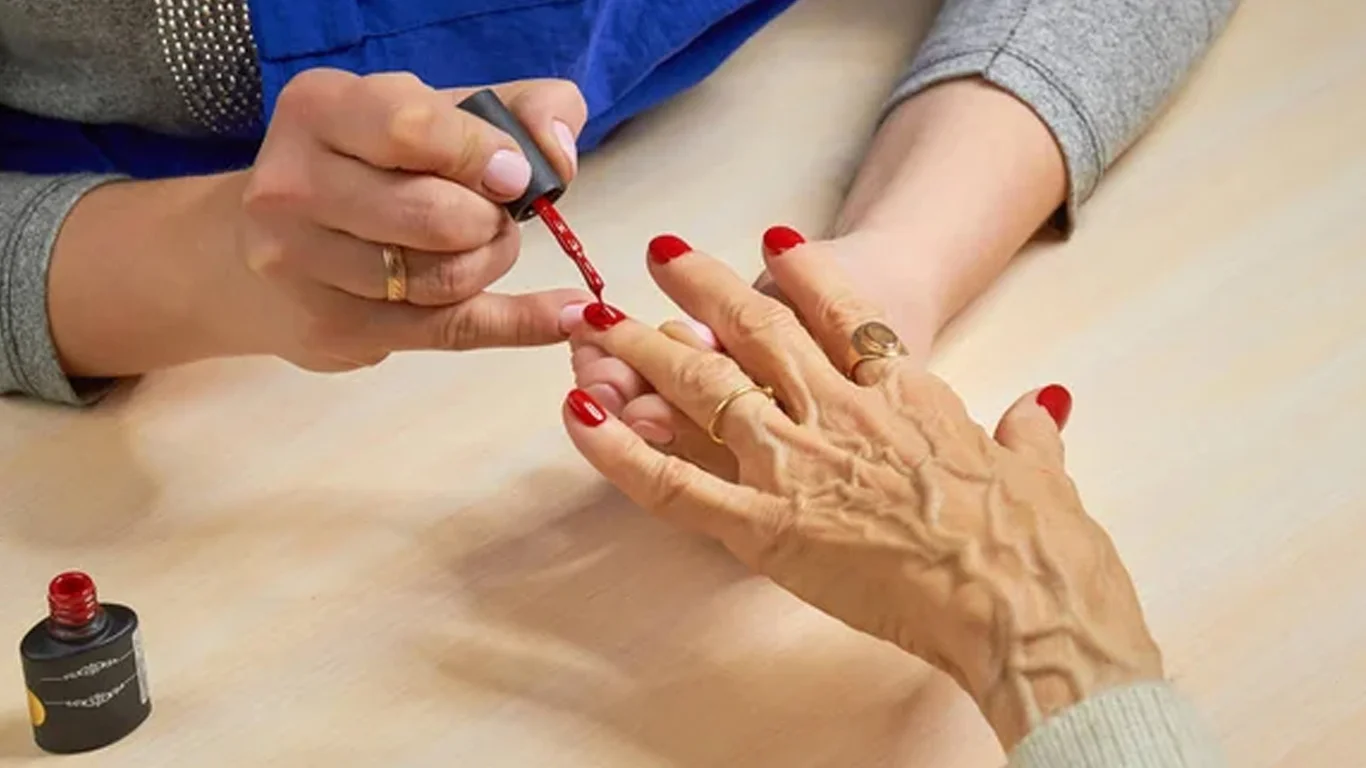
(507, 174)
(584, 408)
(571, 317)
(663, 249)
(780, 239)
(652, 432)
(606, 396)
(1057, 400)
(1030, 427)
(564, 136)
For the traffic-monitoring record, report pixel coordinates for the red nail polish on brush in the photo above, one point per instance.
(542, 191)
(1055, 399)
(780, 239)
(585, 408)
(666, 248)
(602, 316)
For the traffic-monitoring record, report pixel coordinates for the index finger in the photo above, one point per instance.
(746, 521)
(396, 121)
(553, 113)
(696, 381)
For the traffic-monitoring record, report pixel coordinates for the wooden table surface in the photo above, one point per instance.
(409, 566)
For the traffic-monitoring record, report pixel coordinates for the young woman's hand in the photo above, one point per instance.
(289, 257)
(352, 165)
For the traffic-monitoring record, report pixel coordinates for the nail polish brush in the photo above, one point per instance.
(542, 191)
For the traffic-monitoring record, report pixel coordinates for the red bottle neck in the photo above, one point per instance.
(71, 601)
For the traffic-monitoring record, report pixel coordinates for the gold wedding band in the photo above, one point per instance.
(874, 341)
(395, 273)
(721, 407)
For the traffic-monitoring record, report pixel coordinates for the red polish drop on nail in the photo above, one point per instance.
(781, 239)
(602, 316)
(585, 408)
(1055, 399)
(665, 248)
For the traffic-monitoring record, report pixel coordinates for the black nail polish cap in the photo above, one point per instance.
(545, 182)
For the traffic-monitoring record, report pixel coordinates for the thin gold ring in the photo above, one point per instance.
(721, 407)
(873, 341)
(395, 273)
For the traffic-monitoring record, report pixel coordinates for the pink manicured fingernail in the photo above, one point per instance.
(608, 396)
(571, 317)
(655, 434)
(704, 332)
(567, 143)
(507, 173)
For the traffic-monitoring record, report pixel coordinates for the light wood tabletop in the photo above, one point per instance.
(409, 566)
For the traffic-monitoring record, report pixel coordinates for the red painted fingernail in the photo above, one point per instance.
(780, 239)
(602, 316)
(1055, 399)
(666, 248)
(585, 408)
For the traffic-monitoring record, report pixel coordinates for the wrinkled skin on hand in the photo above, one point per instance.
(896, 513)
(880, 502)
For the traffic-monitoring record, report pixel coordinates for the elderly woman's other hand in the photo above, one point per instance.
(863, 486)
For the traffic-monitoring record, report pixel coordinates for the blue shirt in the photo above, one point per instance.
(625, 55)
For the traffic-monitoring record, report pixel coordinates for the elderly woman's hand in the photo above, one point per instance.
(876, 499)
(623, 392)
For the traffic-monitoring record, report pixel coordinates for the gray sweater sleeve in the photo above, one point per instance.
(1148, 725)
(1095, 71)
(32, 209)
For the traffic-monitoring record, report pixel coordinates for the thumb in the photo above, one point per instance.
(501, 320)
(1033, 425)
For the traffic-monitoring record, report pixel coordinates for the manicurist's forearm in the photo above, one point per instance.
(957, 179)
(138, 273)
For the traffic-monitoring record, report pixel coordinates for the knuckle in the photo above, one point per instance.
(466, 154)
(274, 188)
(756, 318)
(269, 258)
(410, 127)
(309, 90)
(430, 218)
(420, 214)
(704, 371)
(669, 482)
(843, 310)
(449, 279)
(457, 331)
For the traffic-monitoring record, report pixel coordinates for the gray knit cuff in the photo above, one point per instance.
(1033, 85)
(1147, 725)
(28, 358)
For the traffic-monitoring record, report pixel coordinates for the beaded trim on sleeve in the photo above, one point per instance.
(207, 45)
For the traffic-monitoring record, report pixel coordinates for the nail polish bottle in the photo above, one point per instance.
(83, 667)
